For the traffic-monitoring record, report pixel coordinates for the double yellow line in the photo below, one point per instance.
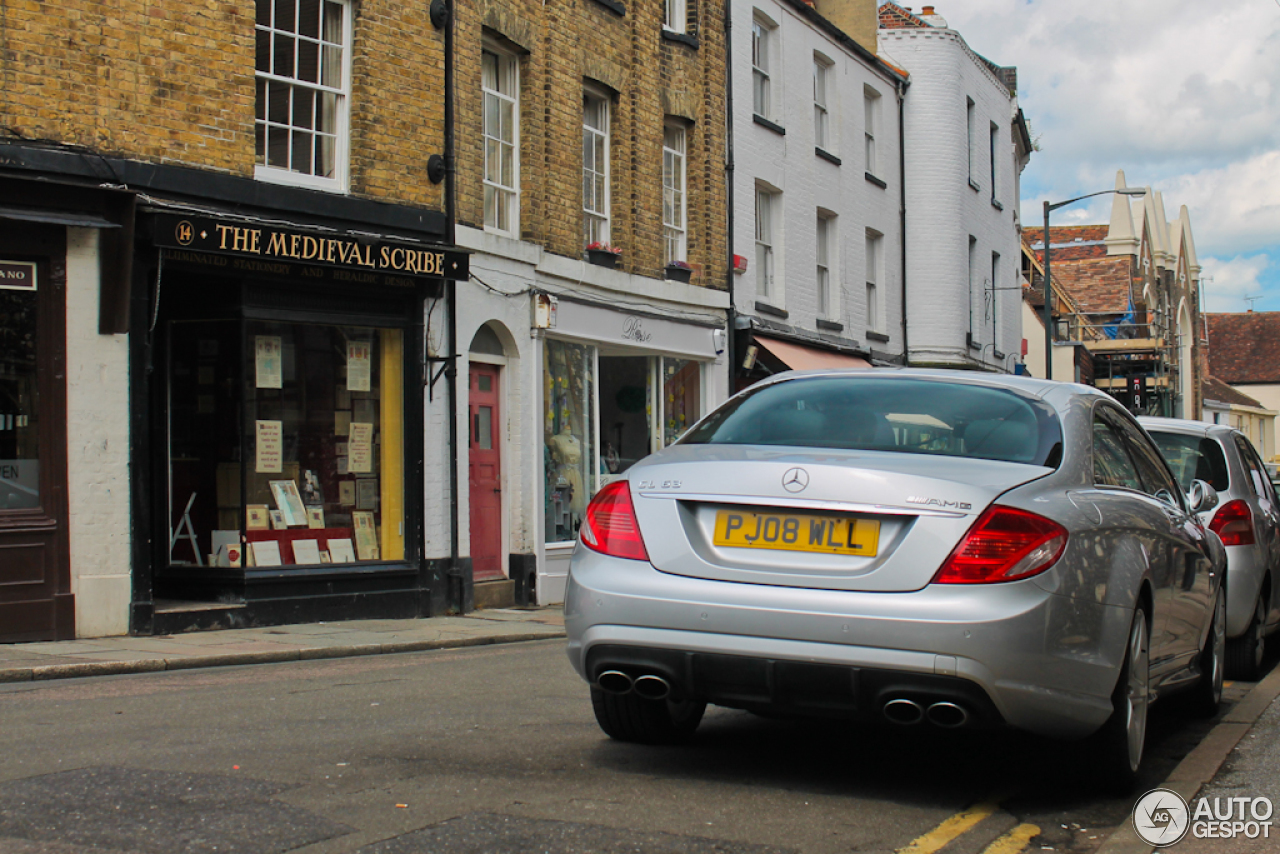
(1012, 842)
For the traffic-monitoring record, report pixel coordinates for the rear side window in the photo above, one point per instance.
(1193, 458)
(1253, 467)
(1112, 465)
(917, 416)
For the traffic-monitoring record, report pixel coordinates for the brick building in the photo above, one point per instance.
(1243, 350)
(223, 229)
(591, 190)
(1134, 286)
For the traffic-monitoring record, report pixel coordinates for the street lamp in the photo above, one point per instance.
(1048, 281)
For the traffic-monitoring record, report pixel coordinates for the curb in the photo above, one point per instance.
(1202, 763)
(77, 670)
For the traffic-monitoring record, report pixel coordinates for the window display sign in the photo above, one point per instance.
(270, 447)
(289, 502)
(358, 367)
(361, 448)
(270, 371)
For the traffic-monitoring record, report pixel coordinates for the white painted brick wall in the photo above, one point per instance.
(97, 451)
(809, 182)
(943, 210)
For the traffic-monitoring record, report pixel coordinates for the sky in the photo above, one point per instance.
(1182, 95)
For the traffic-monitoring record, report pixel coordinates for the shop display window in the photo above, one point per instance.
(604, 410)
(286, 444)
(19, 392)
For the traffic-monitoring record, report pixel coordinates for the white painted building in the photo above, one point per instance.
(817, 188)
(966, 144)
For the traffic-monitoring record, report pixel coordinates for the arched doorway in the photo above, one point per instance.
(484, 455)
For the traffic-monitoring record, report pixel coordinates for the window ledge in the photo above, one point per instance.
(872, 179)
(765, 123)
(974, 343)
(826, 155)
(680, 38)
(614, 7)
(995, 204)
(765, 308)
(877, 336)
(829, 325)
(974, 185)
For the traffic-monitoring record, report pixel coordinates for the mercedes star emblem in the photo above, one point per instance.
(795, 480)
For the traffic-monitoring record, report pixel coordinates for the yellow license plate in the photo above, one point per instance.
(797, 532)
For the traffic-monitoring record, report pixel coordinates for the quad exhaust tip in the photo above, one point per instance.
(947, 715)
(614, 682)
(903, 711)
(652, 687)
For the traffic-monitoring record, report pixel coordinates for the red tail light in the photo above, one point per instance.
(1233, 523)
(1003, 545)
(611, 526)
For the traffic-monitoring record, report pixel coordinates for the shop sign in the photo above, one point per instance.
(17, 276)
(273, 244)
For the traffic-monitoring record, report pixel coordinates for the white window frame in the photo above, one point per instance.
(875, 267)
(766, 234)
(330, 83)
(826, 239)
(764, 43)
(507, 196)
(597, 220)
(675, 221)
(995, 144)
(871, 125)
(970, 118)
(823, 127)
(675, 16)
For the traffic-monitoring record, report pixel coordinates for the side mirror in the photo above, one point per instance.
(1202, 497)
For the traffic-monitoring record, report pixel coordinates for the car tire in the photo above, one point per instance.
(1119, 745)
(1245, 653)
(630, 717)
(1207, 695)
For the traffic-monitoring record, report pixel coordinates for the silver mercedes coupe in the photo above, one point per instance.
(922, 548)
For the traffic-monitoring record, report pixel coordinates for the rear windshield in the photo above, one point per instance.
(1193, 458)
(918, 416)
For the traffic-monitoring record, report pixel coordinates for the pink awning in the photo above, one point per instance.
(801, 358)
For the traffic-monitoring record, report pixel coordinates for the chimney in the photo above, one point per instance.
(858, 19)
(932, 18)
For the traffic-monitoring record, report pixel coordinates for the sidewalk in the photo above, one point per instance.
(26, 662)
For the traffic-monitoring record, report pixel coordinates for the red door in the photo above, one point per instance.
(485, 473)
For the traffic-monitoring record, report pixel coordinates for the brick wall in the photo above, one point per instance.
(173, 82)
(562, 45)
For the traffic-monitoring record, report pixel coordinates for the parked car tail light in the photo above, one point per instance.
(1003, 545)
(611, 526)
(1233, 523)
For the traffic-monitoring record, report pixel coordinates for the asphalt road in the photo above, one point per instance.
(495, 749)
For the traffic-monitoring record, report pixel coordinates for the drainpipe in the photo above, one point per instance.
(730, 335)
(451, 295)
(901, 89)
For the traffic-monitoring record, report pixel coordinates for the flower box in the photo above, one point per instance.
(678, 271)
(603, 257)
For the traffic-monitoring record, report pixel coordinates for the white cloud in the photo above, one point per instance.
(1183, 95)
(1233, 280)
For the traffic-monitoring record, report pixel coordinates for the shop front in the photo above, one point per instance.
(285, 422)
(615, 387)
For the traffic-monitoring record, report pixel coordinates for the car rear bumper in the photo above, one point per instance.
(1011, 654)
(1246, 567)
